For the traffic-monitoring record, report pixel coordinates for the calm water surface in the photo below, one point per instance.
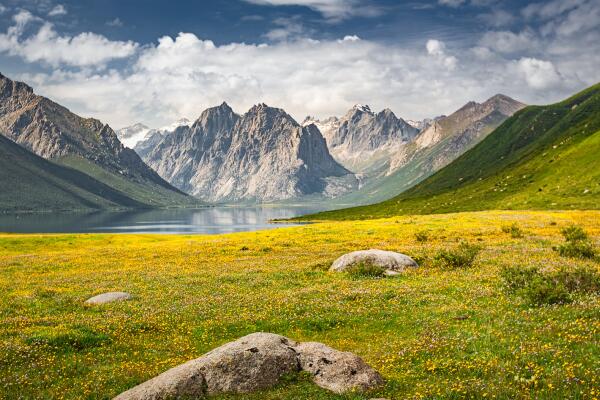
(199, 221)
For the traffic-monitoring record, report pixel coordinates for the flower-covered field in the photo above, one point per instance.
(433, 333)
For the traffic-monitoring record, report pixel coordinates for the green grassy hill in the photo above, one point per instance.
(544, 157)
(31, 183)
(153, 193)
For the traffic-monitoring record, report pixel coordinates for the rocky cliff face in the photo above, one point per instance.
(361, 140)
(53, 132)
(261, 156)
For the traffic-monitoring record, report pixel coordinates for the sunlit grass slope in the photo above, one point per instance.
(433, 333)
(543, 157)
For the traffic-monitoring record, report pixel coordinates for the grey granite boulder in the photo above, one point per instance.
(335, 370)
(256, 362)
(251, 363)
(108, 298)
(388, 260)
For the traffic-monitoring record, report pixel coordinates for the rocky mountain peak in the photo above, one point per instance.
(362, 108)
(503, 104)
(263, 155)
(264, 118)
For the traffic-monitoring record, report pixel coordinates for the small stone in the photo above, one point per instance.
(108, 298)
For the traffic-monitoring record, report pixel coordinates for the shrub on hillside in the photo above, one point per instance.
(577, 243)
(462, 256)
(513, 230)
(422, 236)
(539, 288)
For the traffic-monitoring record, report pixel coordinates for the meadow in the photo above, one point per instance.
(437, 332)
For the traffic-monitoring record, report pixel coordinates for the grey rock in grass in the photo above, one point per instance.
(335, 370)
(257, 362)
(108, 298)
(254, 362)
(251, 363)
(388, 260)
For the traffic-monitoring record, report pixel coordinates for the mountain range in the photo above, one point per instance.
(261, 156)
(86, 145)
(408, 155)
(543, 157)
(362, 140)
(354, 159)
(264, 155)
(142, 139)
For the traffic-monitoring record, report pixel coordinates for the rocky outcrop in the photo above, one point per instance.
(362, 140)
(109, 297)
(263, 155)
(256, 362)
(386, 260)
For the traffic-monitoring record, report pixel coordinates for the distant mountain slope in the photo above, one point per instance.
(544, 157)
(31, 183)
(131, 135)
(53, 132)
(261, 156)
(364, 141)
(443, 140)
(140, 136)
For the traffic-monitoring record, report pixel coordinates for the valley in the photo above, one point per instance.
(435, 332)
(300, 200)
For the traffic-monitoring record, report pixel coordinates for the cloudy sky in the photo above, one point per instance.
(127, 61)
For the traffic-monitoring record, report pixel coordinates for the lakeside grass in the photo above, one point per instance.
(433, 333)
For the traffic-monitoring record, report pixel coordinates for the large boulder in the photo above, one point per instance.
(108, 298)
(389, 261)
(251, 363)
(335, 370)
(256, 362)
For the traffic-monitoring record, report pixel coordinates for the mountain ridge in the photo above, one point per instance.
(543, 157)
(261, 156)
(52, 132)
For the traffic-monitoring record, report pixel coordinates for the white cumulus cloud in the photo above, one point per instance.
(539, 74)
(47, 46)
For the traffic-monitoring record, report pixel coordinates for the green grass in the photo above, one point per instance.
(433, 332)
(544, 157)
